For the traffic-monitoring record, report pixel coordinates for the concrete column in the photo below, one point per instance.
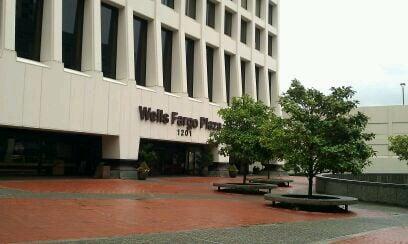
(264, 87)
(7, 24)
(250, 84)
(200, 70)
(219, 91)
(154, 69)
(51, 40)
(178, 74)
(275, 93)
(125, 69)
(200, 59)
(235, 84)
(91, 49)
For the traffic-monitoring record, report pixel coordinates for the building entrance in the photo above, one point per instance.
(40, 153)
(173, 158)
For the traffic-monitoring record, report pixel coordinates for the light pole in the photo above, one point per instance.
(403, 93)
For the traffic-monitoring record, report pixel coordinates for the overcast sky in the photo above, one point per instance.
(362, 43)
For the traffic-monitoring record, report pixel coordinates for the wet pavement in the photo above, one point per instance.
(179, 210)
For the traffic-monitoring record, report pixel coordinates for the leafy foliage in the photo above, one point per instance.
(148, 154)
(240, 136)
(399, 145)
(321, 132)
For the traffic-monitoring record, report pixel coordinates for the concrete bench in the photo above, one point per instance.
(245, 187)
(317, 200)
(274, 181)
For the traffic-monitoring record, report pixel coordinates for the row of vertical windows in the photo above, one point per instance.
(28, 43)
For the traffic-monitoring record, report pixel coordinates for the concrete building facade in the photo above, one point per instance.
(386, 121)
(99, 93)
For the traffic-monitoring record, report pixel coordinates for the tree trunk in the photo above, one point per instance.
(269, 173)
(245, 172)
(310, 192)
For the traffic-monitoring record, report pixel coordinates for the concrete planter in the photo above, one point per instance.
(381, 188)
(315, 200)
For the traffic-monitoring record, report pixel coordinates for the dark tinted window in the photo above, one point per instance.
(191, 8)
(190, 66)
(109, 29)
(167, 52)
(227, 60)
(257, 39)
(243, 31)
(210, 72)
(72, 25)
(244, 4)
(243, 75)
(270, 38)
(140, 49)
(210, 14)
(168, 3)
(228, 23)
(270, 84)
(257, 73)
(258, 8)
(28, 28)
(270, 14)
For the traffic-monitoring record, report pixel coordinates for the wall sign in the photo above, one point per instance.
(158, 116)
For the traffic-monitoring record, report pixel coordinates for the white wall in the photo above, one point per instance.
(385, 121)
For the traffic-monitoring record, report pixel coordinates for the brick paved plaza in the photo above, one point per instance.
(179, 210)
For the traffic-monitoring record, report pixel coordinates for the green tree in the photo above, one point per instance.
(322, 133)
(399, 145)
(240, 135)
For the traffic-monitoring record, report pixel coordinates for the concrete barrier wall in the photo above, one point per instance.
(366, 187)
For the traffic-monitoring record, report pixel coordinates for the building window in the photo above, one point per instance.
(72, 25)
(270, 14)
(258, 8)
(191, 8)
(140, 49)
(167, 52)
(190, 66)
(109, 30)
(270, 77)
(244, 4)
(270, 40)
(257, 39)
(227, 61)
(257, 73)
(243, 76)
(244, 31)
(210, 14)
(168, 3)
(228, 23)
(29, 15)
(210, 72)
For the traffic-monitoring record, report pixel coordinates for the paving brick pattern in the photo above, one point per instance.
(172, 210)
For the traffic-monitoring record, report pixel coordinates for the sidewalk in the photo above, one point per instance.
(172, 209)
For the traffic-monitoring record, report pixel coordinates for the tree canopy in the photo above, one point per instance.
(399, 145)
(240, 135)
(321, 133)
